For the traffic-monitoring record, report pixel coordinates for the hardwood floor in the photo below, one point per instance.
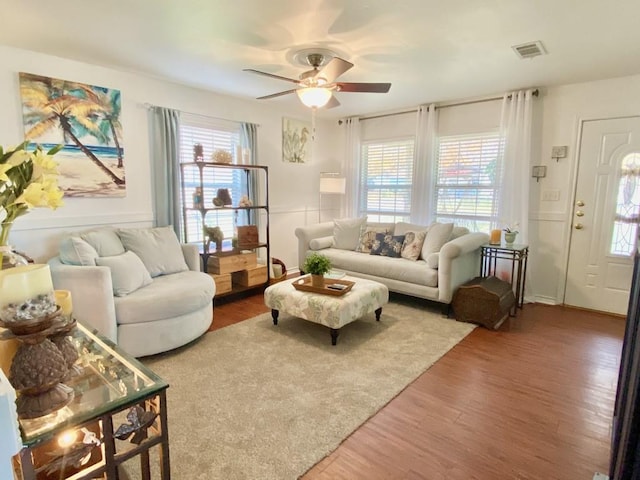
(533, 400)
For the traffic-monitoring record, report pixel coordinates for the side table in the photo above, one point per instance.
(118, 413)
(517, 254)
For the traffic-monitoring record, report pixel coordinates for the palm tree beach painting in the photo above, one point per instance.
(86, 120)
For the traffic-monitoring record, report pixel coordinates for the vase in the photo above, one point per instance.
(317, 281)
(509, 237)
(10, 258)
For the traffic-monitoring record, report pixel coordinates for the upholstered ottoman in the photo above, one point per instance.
(334, 312)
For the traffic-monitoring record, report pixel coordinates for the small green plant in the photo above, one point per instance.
(317, 264)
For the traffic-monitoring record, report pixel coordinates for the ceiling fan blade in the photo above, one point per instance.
(274, 95)
(286, 79)
(363, 87)
(333, 69)
(332, 103)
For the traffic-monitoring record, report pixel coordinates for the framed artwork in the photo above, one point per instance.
(296, 141)
(86, 120)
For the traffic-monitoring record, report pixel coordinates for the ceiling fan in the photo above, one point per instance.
(316, 86)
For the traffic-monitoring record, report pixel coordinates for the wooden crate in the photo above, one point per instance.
(231, 262)
(223, 283)
(248, 236)
(251, 276)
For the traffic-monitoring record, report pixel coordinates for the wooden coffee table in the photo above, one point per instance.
(334, 312)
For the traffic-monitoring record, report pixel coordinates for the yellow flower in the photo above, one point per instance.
(43, 164)
(4, 168)
(33, 196)
(28, 179)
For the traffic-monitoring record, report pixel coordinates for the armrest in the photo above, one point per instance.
(459, 262)
(91, 292)
(191, 256)
(308, 233)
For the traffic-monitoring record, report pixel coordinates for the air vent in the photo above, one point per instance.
(529, 50)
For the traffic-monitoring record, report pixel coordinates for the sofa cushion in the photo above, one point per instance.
(158, 248)
(128, 273)
(393, 268)
(412, 245)
(346, 232)
(387, 245)
(169, 296)
(368, 237)
(437, 235)
(75, 251)
(458, 232)
(105, 241)
(402, 228)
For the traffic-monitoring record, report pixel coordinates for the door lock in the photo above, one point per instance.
(579, 213)
(578, 226)
(580, 203)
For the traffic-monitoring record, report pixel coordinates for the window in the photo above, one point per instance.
(625, 226)
(212, 137)
(386, 177)
(467, 180)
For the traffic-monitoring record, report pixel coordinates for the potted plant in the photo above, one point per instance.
(510, 233)
(317, 265)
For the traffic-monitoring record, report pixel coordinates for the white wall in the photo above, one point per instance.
(293, 187)
(563, 108)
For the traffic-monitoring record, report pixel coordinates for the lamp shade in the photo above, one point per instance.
(333, 184)
(314, 96)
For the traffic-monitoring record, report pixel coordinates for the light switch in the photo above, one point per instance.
(559, 152)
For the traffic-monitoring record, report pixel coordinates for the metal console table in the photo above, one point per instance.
(118, 412)
(517, 254)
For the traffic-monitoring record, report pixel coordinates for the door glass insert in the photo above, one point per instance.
(625, 226)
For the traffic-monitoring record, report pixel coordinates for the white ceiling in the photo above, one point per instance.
(430, 50)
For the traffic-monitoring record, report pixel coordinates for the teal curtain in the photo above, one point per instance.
(165, 167)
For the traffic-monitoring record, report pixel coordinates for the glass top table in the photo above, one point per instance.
(106, 382)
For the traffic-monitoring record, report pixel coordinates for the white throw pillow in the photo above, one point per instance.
(158, 248)
(437, 235)
(402, 228)
(75, 251)
(105, 241)
(346, 232)
(128, 273)
(321, 243)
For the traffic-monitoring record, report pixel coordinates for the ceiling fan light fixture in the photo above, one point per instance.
(314, 96)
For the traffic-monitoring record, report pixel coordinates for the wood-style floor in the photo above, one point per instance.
(533, 400)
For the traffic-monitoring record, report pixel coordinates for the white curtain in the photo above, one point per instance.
(351, 167)
(423, 185)
(515, 126)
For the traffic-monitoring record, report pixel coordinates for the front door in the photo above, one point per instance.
(604, 228)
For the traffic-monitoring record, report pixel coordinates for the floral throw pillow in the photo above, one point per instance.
(387, 245)
(368, 236)
(412, 245)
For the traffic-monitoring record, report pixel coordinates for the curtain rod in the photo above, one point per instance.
(535, 93)
(149, 106)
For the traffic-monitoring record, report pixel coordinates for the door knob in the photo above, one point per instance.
(578, 226)
(579, 213)
(580, 203)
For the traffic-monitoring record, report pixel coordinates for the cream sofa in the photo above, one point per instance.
(138, 287)
(455, 259)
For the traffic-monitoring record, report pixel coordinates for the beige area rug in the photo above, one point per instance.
(258, 401)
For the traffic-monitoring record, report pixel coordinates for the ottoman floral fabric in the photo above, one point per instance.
(365, 297)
